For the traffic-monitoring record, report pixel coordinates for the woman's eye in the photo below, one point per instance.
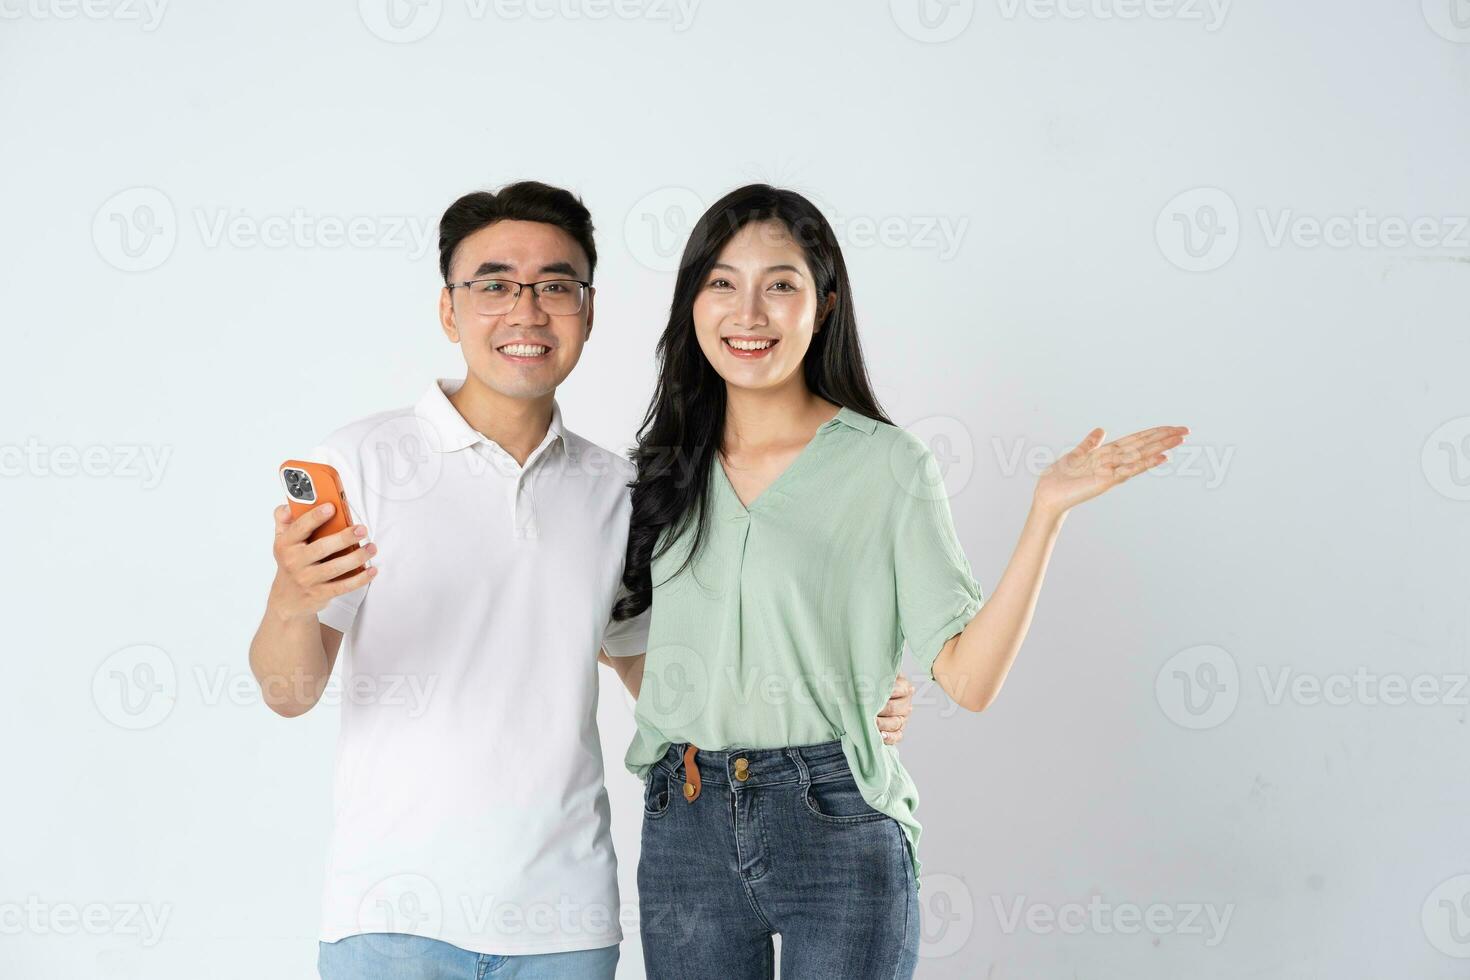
(720, 284)
(783, 287)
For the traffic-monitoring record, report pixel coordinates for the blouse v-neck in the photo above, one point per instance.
(780, 477)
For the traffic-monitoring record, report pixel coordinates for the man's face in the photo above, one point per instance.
(525, 251)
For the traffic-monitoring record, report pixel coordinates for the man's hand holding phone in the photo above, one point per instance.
(311, 572)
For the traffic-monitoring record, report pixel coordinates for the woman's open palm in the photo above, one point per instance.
(1093, 467)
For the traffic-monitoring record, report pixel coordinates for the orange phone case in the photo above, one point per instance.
(328, 490)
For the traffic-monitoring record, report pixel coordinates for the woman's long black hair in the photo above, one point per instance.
(686, 415)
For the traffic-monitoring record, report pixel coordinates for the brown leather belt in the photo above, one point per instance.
(691, 775)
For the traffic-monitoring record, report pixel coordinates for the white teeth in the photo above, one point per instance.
(525, 350)
(749, 344)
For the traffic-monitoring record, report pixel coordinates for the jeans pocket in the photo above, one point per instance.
(837, 799)
(656, 793)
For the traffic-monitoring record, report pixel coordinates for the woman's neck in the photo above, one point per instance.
(755, 419)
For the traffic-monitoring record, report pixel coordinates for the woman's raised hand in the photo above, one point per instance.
(1094, 467)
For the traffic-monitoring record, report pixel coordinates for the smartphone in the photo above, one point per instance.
(309, 485)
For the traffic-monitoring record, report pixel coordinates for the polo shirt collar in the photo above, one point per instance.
(450, 429)
(847, 416)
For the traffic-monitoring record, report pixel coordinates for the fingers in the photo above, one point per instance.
(1138, 440)
(300, 529)
(328, 570)
(331, 544)
(351, 584)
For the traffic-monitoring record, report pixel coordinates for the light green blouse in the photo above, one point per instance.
(789, 626)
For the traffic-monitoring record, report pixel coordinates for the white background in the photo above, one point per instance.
(1006, 178)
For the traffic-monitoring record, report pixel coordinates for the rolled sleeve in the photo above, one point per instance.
(937, 591)
(626, 637)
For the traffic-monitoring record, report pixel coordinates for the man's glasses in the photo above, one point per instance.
(493, 297)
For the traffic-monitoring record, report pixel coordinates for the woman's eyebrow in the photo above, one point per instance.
(769, 268)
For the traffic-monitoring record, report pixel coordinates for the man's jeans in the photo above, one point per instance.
(393, 956)
(790, 848)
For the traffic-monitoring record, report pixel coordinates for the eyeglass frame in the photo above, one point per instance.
(535, 297)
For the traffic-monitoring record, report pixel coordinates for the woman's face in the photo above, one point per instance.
(755, 312)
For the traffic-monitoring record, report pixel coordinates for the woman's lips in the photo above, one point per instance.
(749, 354)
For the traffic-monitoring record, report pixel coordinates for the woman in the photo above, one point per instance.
(791, 539)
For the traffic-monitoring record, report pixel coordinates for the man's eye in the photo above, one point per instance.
(554, 287)
(492, 286)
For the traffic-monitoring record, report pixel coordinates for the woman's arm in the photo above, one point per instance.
(972, 665)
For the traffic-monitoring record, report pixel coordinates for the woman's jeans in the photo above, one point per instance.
(791, 848)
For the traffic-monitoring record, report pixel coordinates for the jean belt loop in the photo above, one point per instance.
(795, 754)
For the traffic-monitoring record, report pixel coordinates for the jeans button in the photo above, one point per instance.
(742, 769)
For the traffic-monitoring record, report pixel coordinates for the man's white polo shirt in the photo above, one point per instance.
(468, 793)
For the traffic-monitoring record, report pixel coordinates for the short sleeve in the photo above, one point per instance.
(341, 610)
(937, 592)
(626, 637)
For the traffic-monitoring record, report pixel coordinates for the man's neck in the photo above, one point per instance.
(517, 425)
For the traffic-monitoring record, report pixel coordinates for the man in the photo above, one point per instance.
(471, 821)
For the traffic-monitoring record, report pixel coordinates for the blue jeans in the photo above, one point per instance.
(395, 956)
(793, 849)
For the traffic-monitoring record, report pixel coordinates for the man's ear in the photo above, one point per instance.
(591, 294)
(825, 311)
(446, 315)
